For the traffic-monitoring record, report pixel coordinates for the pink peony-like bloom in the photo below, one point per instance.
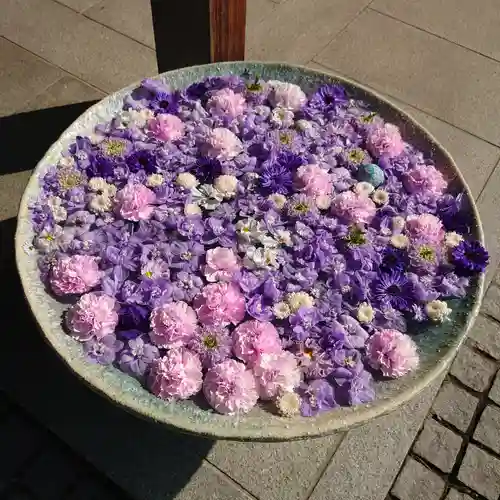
(253, 338)
(222, 144)
(166, 127)
(425, 179)
(353, 207)
(173, 325)
(74, 275)
(177, 375)
(230, 388)
(385, 141)
(287, 96)
(392, 352)
(133, 202)
(95, 315)
(276, 374)
(221, 264)
(225, 102)
(425, 227)
(220, 304)
(314, 180)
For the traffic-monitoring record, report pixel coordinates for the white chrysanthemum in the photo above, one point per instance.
(364, 188)
(437, 310)
(323, 201)
(100, 203)
(66, 162)
(260, 258)
(278, 199)
(100, 186)
(288, 404)
(365, 313)
(398, 223)
(303, 125)
(249, 230)
(296, 300)
(268, 241)
(452, 239)
(281, 117)
(380, 197)
(58, 211)
(192, 209)
(281, 310)
(187, 180)
(154, 180)
(207, 196)
(400, 241)
(227, 185)
(136, 118)
(284, 237)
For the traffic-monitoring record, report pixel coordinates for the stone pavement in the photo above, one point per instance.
(440, 61)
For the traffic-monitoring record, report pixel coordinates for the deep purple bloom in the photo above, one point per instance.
(137, 356)
(327, 98)
(259, 308)
(393, 290)
(394, 259)
(165, 102)
(142, 160)
(133, 321)
(102, 351)
(303, 321)
(278, 176)
(206, 170)
(316, 397)
(469, 257)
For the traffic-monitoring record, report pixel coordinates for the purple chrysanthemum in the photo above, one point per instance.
(278, 176)
(142, 160)
(327, 98)
(165, 102)
(394, 259)
(469, 257)
(100, 166)
(213, 345)
(394, 290)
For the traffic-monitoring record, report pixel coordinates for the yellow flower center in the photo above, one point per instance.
(301, 207)
(427, 253)
(368, 118)
(113, 147)
(69, 178)
(210, 341)
(148, 274)
(285, 139)
(356, 156)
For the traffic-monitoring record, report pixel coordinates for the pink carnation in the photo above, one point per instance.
(392, 352)
(222, 144)
(426, 228)
(94, 315)
(425, 179)
(385, 141)
(353, 207)
(166, 127)
(74, 275)
(220, 304)
(173, 325)
(276, 374)
(253, 338)
(134, 201)
(287, 95)
(230, 388)
(225, 102)
(177, 375)
(221, 265)
(314, 181)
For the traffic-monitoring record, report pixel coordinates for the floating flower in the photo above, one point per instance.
(173, 325)
(102, 350)
(288, 404)
(317, 397)
(138, 355)
(186, 180)
(327, 98)
(221, 264)
(380, 197)
(227, 185)
(212, 344)
(134, 202)
(230, 388)
(365, 313)
(354, 208)
(253, 338)
(452, 239)
(278, 176)
(286, 96)
(74, 275)
(425, 179)
(222, 144)
(437, 310)
(166, 127)
(226, 102)
(425, 227)
(400, 241)
(385, 141)
(313, 180)
(282, 310)
(393, 289)
(392, 352)
(469, 257)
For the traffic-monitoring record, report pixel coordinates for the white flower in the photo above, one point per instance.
(380, 197)
(227, 185)
(207, 196)
(187, 180)
(278, 199)
(154, 180)
(262, 110)
(260, 258)
(364, 188)
(288, 404)
(284, 237)
(249, 230)
(100, 186)
(365, 313)
(48, 241)
(66, 162)
(136, 118)
(192, 209)
(296, 300)
(400, 241)
(452, 239)
(281, 117)
(100, 203)
(437, 310)
(323, 201)
(281, 310)
(398, 223)
(303, 125)
(58, 211)
(286, 95)
(268, 241)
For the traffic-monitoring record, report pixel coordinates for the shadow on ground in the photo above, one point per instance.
(146, 459)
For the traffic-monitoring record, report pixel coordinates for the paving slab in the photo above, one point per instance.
(285, 470)
(472, 24)
(438, 445)
(491, 302)
(432, 74)
(11, 190)
(79, 5)
(485, 335)
(488, 428)
(494, 394)
(132, 18)
(457, 495)
(22, 76)
(473, 369)
(84, 48)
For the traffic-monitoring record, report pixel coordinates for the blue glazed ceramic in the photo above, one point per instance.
(371, 173)
(437, 344)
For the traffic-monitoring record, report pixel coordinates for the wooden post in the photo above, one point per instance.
(191, 32)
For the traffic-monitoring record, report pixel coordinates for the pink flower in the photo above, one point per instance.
(253, 338)
(353, 207)
(74, 275)
(225, 102)
(220, 304)
(94, 315)
(287, 95)
(230, 388)
(133, 202)
(177, 375)
(425, 179)
(425, 227)
(221, 265)
(173, 325)
(222, 144)
(392, 352)
(385, 141)
(166, 127)
(314, 181)
(276, 374)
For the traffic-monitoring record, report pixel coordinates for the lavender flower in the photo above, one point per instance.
(136, 357)
(469, 257)
(102, 351)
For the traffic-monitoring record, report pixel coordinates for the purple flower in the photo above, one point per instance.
(191, 227)
(213, 345)
(393, 290)
(142, 160)
(357, 390)
(218, 231)
(259, 308)
(136, 357)
(133, 320)
(394, 259)
(100, 166)
(102, 351)
(206, 170)
(316, 397)
(327, 98)
(469, 257)
(185, 255)
(165, 102)
(303, 321)
(186, 286)
(278, 176)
